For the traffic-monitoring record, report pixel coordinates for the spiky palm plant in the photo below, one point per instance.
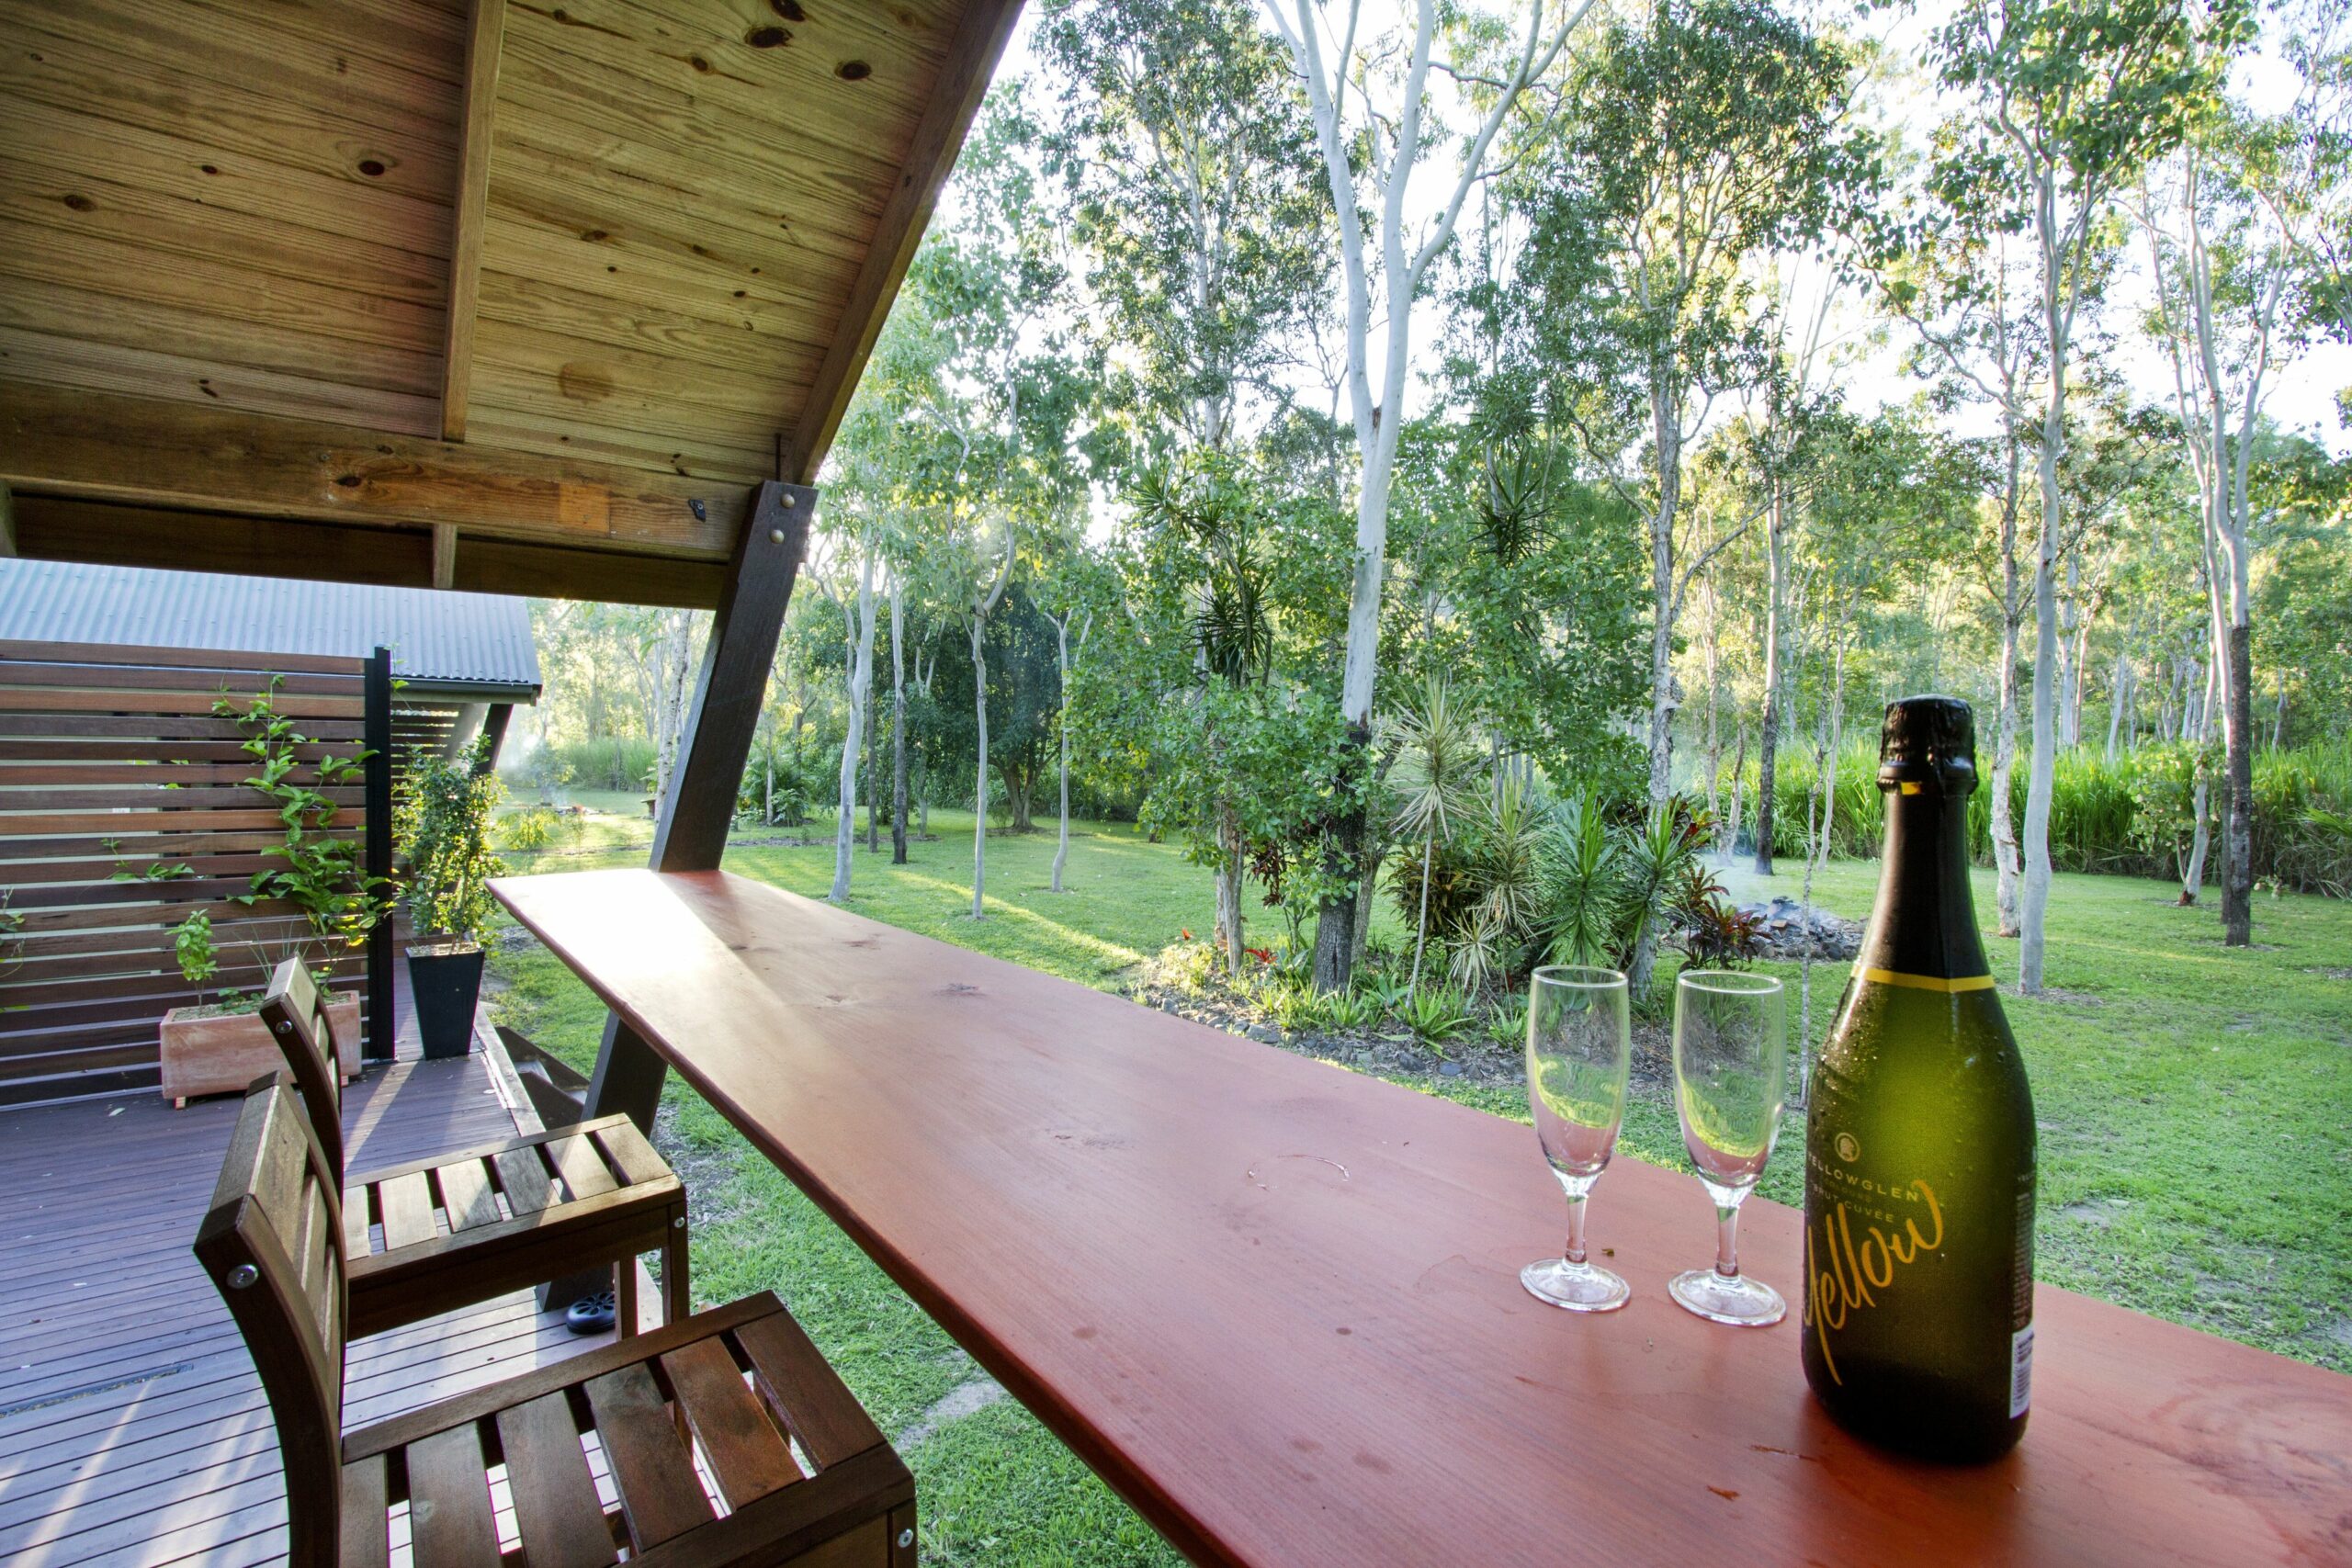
(1507, 868)
(1438, 763)
(1584, 882)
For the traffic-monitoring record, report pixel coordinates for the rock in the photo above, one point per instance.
(1449, 1069)
(1366, 1058)
(1788, 930)
(1265, 1033)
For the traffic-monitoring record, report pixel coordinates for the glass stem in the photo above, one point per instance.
(1576, 1229)
(1727, 1240)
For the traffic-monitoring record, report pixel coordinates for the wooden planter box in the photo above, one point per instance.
(224, 1053)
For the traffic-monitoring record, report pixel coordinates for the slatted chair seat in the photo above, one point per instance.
(459, 1228)
(722, 1438)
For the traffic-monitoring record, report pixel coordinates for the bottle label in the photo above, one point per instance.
(1929, 982)
(1843, 1275)
(2020, 1370)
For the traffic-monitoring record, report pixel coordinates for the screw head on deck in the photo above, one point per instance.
(905, 1539)
(242, 1275)
(679, 1223)
(775, 536)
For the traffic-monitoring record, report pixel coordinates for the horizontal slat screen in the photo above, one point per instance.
(111, 762)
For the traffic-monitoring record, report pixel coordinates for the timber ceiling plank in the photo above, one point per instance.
(97, 332)
(696, 69)
(598, 384)
(225, 183)
(76, 59)
(576, 142)
(707, 279)
(48, 360)
(34, 190)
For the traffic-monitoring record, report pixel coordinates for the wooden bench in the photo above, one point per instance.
(454, 1229)
(797, 1473)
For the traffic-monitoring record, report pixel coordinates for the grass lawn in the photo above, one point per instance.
(2195, 1107)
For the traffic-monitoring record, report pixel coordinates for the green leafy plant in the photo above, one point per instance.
(1436, 1016)
(530, 831)
(1350, 1011)
(322, 874)
(192, 945)
(1506, 1020)
(443, 826)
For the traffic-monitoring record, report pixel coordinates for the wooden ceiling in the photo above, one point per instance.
(505, 296)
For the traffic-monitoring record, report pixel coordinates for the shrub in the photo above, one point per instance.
(530, 831)
(2100, 810)
(443, 825)
(1506, 1020)
(1435, 1014)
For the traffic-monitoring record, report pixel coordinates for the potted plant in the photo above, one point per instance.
(221, 1046)
(443, 826)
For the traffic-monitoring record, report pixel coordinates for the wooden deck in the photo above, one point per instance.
(133, 1429)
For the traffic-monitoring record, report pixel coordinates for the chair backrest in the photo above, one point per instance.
(273, 1245)
(297, 1018)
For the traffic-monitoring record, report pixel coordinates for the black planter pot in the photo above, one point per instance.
(445, 980)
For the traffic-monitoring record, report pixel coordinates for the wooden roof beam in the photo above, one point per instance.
(190, 457)
(956, 98)
(485, 36)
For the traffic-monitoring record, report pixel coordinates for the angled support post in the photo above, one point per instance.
(700, 805)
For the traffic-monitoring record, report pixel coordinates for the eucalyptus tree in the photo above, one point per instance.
(2233, 221)
(1704, 134)
(1378, 160)
(1190, 171)
(2068, 101)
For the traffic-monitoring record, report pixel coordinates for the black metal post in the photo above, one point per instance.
(382, 1029)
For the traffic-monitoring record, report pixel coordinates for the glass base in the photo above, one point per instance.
(1579, 1287)
(1735, 1299)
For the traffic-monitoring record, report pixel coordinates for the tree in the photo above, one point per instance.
(2231, 220)
(1375, 154)
(2070, 100)
(857, 612)
(1191, 172)
(1706, 133)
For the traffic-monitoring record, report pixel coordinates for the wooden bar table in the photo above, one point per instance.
(1276, 1304)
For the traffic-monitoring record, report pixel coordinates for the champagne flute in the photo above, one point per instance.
(1579, 1047)
(1730, 1059)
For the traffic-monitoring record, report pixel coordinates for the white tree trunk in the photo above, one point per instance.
(2040, 776)
(861, 681)
(1061, 846)
(980, 781)
(1666, 433)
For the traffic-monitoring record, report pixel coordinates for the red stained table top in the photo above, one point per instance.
(1276, 1304)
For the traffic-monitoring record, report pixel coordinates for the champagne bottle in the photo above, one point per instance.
(1919, 1144)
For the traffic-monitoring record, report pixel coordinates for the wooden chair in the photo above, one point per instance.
(462, 1228)
(797, 1472)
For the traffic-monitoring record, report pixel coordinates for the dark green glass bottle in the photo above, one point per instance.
(1918, 1179)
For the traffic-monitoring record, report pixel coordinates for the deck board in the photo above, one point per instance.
(133, 1429)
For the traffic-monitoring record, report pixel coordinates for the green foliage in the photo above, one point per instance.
(1436, 1015)
(443, 826)
(321, 874)
(531, 829)
(192, 945)
(1507, 1020)
(610, 761)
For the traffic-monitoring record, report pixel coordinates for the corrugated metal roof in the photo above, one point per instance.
(438, 639)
